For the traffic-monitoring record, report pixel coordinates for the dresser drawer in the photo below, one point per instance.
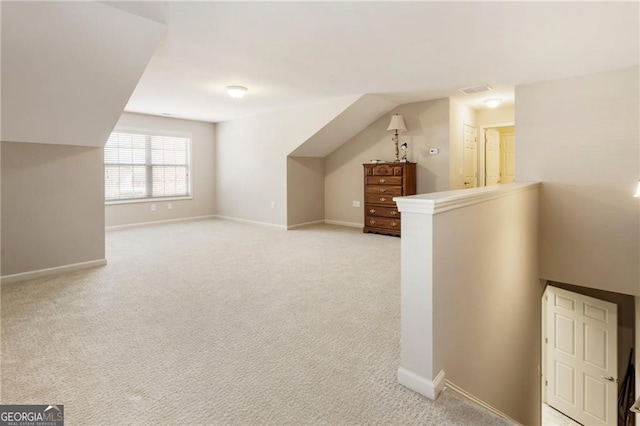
(382, 222)
(381, 211)
(382, 183)
(384, 170)
(379, 199)
(384, 180)
(384, 190)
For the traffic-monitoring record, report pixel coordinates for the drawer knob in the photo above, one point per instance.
(372, 211)
(372, 222)
(394, 224)
(383, 199)
(382, 180)
(383, 190)
(393, 212)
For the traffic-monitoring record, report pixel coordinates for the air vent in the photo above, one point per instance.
(475, 89)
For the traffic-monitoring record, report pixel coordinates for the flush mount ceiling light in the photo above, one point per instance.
(493, 102)
(236, 91)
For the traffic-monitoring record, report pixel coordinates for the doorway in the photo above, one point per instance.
(497, 154)
(587, 349)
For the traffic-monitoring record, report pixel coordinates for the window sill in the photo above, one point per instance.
(146, 200)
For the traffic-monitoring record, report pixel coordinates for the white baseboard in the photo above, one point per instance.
(340, 223)
(459, 391)
(301, 225)
(254, 222)
(417, 383)
(23, 276)
(157, 222)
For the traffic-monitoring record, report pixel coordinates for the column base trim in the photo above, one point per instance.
(417, 383)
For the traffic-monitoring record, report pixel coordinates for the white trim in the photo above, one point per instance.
(340, 223)
(23, 276)
(429, 388)
(301, 225)
(158, 222)
(440, 202)
(146, 200)
(457, 390)
(254, 222)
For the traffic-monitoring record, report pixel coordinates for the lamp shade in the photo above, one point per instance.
(637, 194)
(397, 124)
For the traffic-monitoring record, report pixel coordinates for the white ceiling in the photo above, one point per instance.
(288, 53)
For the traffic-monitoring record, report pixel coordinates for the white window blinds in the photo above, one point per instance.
(139, 166)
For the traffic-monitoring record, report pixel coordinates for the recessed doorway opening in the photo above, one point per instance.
(496, 162)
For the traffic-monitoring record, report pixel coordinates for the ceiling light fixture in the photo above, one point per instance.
(236, 91)
(493, 102)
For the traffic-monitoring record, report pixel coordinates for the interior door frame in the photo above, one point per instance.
(482, 148)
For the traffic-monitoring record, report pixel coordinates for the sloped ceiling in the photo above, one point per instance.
(298, 52)
(361, 113)
(69, 69)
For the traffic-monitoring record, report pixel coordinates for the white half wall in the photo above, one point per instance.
(580, 138)
(470, 296)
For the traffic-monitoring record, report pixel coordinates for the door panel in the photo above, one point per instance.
(470, 157)
(508, 163)
(492, 157)
(581, 350)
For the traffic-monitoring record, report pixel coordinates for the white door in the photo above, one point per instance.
(508, 150)
(581, 364)
(470, 157)
(492, 157)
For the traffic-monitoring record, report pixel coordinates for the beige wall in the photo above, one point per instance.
(471, 299)
(52, 206)
(305, 190)
(580, 136)
(428, 127)
(202, 172)
(251, 159)
(487, 302)
(493, 116)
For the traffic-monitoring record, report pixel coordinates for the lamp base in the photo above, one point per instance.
(395, 139)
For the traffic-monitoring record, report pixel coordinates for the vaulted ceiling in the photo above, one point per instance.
(290, 53)
(69, 68)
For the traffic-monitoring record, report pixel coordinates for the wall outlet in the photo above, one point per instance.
(433, 151)
(153, 207)
(356, 203)
(273, 204)
(170, 206)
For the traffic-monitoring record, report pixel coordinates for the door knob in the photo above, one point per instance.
(609, 378)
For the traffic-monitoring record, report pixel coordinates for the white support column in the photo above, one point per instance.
(418, 370)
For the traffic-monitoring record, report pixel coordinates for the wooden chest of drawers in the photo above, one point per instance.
(382, 182)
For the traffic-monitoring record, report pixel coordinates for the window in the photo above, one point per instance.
(140, 166)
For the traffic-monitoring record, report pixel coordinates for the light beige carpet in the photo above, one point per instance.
(218, 322)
